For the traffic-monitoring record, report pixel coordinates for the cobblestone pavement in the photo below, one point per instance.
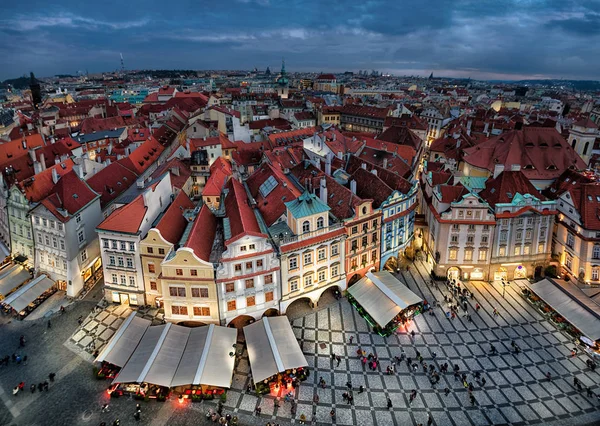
(100, 325)
(516, 391)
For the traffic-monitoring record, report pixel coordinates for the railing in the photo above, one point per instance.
(308, 235)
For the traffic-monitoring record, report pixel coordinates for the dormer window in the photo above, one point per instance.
(305, 226)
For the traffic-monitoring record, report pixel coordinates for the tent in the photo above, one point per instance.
(272, 348)
(11, 278)
(28, 293)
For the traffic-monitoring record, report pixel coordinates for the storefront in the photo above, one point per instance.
(92, 274)
(501, 274)
(477, 274)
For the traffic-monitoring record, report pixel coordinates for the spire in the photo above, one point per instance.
(282, 66)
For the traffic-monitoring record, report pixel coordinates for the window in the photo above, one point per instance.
(121, 262)
(153, 286)
(307, 258)
(520, 221)
(65, 265)
(47, 240)
(37, 220)
(293, 263)
(322, 254)
(237, 267)
(83, 255)
(229, 287)
(320, 223)
(363, 260)
(364, 241)
(269, 279)
(45, 222)
(305, 226)
(354, 245)
(569, 261)
(595, 275)
(468, 255)
(114, 278)
(482, 254)
(151, 268)
(308, 280)
(178, 271)
(456, 227)
(503, 235)
(334, 250)
(471, 227)
(269, 296)
(517, 250)
(177, 291)
(62, 244)
(201, 311)
(251, 247)
(132, 281)
(259, 264)
(454, 239)
(123, 280)
(354, 230)
(374, 256)
(104, 243)
(294, 285)
(249, 283)
(80, 236)
(540, 248)
(199, 292)
(150, 250)
(519, 235)
(484, 238)
(250, 301)
(453, 254)
(526, 249)
(131, 246)
(570, 240)
(322, 276)
(39, 238)
(54, 242)
(113, 244)
(243, 248)
(129, 262)
(179, 310)
(248, 266)
(161, 251)
(596, 252)
(502, 251)
(111, 260)
(78, 218)
(231, 305)
(122, 245)
(470, 239)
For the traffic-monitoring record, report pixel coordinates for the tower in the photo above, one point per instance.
(122, 65)
(283, 83)
(36, 91)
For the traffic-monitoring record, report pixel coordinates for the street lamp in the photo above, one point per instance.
(503, 287)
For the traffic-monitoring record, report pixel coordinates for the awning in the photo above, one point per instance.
(124, 341)
(383, 296)
(571, 303)
(11, 278)
(272, 347)
(172, 355)
(28, 293)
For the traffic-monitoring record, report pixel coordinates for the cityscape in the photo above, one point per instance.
(309, 239)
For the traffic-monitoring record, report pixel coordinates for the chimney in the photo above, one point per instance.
(107, 162)
(323, 190)
(328, 165)
(32, 154)
(43, 161)
(147, 197)
(340, 155)
(498, 168)
(353, 186)
(37, 167)
(110, 148)
(55, 176)
(469, 125)
(515, 167)
(486, 127)
(385, 163)
(364, 166)
(77, 169)
(24, 142)
(374, 171)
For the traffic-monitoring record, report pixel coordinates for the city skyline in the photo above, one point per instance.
(520, 40)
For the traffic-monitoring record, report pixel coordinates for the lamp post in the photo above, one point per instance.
(503, 287)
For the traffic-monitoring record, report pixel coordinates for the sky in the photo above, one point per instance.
(499, 39)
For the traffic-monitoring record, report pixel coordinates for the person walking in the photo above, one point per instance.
(105, 408)
(332, 414)
(40, 386)
(21, 386)
(117, 422)
(472, 399)
(351, 339)
(137, 416)
(49, 324)
(51, 376)
(429, 420)
(447, 391)
(338, 359)
(46, 386)
(15, 390)
(32, 388)
(389, 403)
(549, 376)
(361, 389)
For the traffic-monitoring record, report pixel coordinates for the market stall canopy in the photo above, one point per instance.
(28, 293)
(570, 302)
(383, 296)
(11, 278)
(124, 341)
(172, 355)
(272, 347)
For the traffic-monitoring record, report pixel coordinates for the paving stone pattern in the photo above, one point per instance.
(516, 390)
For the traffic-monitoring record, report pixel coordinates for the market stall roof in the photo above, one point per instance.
(570, 302)
(383, 296)
(28, 293)
(124, 341)
(11, 278)
(172, 355)
(206, 358)
(272, 347)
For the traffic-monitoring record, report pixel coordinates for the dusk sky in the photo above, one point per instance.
(508, 39)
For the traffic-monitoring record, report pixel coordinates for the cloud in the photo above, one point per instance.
(67, 20)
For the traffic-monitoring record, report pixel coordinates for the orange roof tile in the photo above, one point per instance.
(202, 234)
(173, 222)
(126, 219)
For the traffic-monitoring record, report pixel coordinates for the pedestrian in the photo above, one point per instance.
(429, 420)
(590, 394)
(105, 408)
(332, 414)
(40, 386)
(257, 411)
(22, 341)
(46, 386)
(548, 376)
(338, 359)
(351, 339)
(21, 386)
(575, 381)
(316, 398)
(138, 408)
(361, 389)
(49, 324)
(472, 398)
(117, 422)
(389, 403)
(51, 376)
(447, 391)
(24, 359)
(32, 387)
(349, 385)
(412, 333)
(483, 381)
(16, 390)
(493, 349)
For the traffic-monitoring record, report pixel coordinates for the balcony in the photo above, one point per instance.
(308, 235)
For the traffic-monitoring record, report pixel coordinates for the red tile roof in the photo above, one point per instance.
(143, 156)
(202, 234)
(220, 171)
(394, 163)
(285, 158)
(277, 123)
(304, 115)
(126, 219)
(541, 152)
(402, 136)
(18, 147)
(326, 77)
(365, 111)
(91, 124)
(586, 198)
(586, 123)
(179, 170)
(173, 222)
(41, 185)
(291, 137)
(411, 122)
(71, 194)
(506, 185)
(166, 90)
(242, 220)
(452, 193)
(111, 182)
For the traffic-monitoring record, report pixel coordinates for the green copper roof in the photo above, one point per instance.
(473, 182)
(306, 204)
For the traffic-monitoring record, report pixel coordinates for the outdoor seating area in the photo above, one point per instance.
(276, 359)
(152, 361)
(29, 296)
(384, 302)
